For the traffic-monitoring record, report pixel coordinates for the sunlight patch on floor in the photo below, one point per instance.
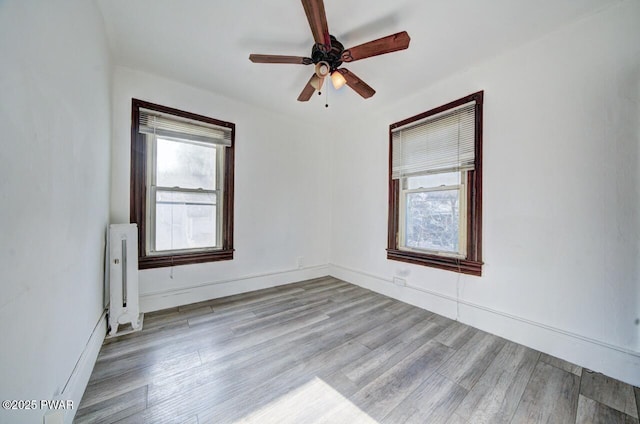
(313, 402)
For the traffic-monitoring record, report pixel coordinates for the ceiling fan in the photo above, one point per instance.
(327, 54)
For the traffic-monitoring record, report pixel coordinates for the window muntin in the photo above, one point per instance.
(182, 183)
(435, 187)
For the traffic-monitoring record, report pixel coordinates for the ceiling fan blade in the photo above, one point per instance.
(273, 58)
(317, 21)
(359, 86)
(388, 44)
(307, 91)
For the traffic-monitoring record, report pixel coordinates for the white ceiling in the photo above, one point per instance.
(206, 43)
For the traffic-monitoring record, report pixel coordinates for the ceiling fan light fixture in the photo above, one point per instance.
(337, 80)
(316, 82)
(322, 69)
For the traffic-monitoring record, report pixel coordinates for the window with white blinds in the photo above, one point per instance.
(181, 186)
(440, 143)
(435, 187)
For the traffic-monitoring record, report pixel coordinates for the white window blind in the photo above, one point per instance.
(171, 127)
(440, 143)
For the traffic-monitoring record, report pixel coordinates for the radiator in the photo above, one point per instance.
(124, 308)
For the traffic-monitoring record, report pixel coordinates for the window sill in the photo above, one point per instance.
(146, 262)
(463, 266)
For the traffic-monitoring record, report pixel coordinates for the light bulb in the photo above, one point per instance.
(322, 69)
(316, 82)
(338, 80)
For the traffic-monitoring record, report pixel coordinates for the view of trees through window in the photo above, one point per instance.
(433, 220)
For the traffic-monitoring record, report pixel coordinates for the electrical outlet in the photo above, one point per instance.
(399, 281)
(300, 262)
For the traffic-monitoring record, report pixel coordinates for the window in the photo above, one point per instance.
(435, 187)
(181, 186)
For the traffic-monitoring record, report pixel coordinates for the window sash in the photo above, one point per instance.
(151, 200)
(462, 219)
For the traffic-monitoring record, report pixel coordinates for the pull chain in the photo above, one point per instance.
(326, 95)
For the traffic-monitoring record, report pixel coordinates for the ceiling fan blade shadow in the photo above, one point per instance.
(272, 44)
(273, 58)
(372, 27)
(356, 84)
(307, 91)
(317, 21)
(388, 44)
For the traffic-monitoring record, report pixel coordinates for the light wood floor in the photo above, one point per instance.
(325, 351)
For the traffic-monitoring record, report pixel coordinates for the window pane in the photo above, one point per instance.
(185, 220)
(433, 220)
(185, 165)
(434, 180)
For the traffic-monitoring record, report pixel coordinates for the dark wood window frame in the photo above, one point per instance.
(138, 193)
(472, 263)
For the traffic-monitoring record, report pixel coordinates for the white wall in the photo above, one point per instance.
(561, 196)
(54, 196)
(281, 195)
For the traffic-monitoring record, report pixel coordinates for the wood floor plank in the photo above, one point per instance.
(319, 289)
(392, 387)
(393, 328)
(289, 351)
(263, 335)
(179, 315)
(398, 308)
(154, 346)
(268, 391)
(457, 419)
(117, 345)
(221, 318)
(141, 359)
(456, 335)
(258, 323)
(433, 402)
(279, 305)
(373, 364)
(592, 412)
(472, 359)
(102, 389)
(367, 303)
(495, 397)
(562, 364)
(114, 408)
(305, 402)
(608, 391)
(551, 396)
(252, 298)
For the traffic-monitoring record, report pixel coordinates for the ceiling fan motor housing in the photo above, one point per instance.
(321, 53)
